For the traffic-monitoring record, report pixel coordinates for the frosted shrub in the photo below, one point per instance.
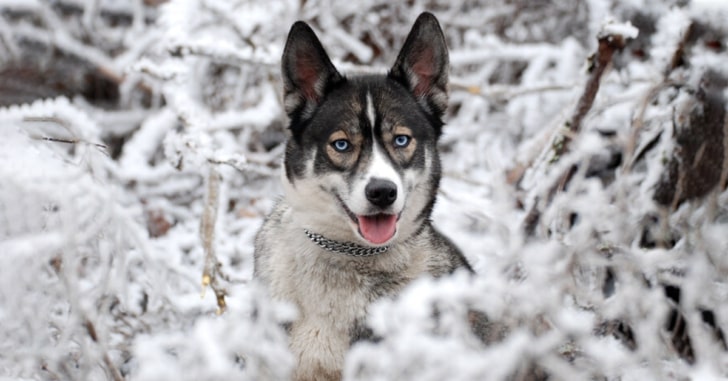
(584, 163)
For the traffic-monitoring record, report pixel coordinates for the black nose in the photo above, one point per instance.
(381, 193)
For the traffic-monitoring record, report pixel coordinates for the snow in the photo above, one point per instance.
(708, 4)
(626, 30)
(20, 4)
(101, 203)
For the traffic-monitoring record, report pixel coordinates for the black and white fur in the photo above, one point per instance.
(361, 171)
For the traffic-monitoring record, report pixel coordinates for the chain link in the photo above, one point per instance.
(351, 249)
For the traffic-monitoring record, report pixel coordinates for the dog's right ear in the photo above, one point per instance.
(307, 72)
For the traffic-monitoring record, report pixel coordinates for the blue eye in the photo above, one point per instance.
(401, 141)
(341, 145)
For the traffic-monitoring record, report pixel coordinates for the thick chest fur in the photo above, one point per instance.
(333, 291)
(333, 296)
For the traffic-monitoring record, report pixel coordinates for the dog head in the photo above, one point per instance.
(362, 162)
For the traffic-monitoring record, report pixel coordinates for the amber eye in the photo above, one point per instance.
(341, 145)
(401, 141)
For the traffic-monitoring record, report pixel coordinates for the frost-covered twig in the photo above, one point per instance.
(6, 40)
(115, 373)
(89, 326)
(211, 268)
(723, 184)
(64, 124)
(611, 40)
(72, 46)
(507, 93)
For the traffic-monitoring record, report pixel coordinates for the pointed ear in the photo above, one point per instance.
(422, 64)
(307, 71)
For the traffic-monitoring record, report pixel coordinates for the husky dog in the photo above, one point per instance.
(361, 173)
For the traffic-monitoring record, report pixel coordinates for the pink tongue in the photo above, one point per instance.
(379, 228)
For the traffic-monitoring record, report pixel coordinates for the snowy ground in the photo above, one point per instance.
(147, 151)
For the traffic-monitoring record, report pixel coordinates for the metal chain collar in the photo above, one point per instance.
(351, 249)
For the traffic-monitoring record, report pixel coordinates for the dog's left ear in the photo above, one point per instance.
(422, 64)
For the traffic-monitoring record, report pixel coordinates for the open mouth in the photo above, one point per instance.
(377, 228)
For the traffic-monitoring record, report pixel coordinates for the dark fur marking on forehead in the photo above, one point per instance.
(348, 98)
(397, 104)
(347, 108)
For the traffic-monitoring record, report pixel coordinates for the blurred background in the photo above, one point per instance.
(584, 177)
